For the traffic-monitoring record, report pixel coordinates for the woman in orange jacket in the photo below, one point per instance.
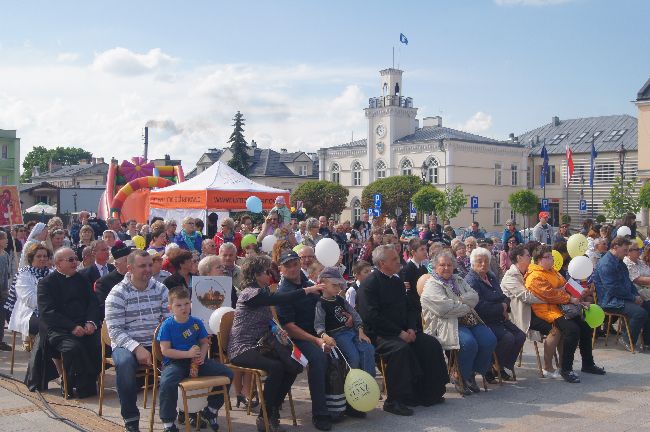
(548, 285)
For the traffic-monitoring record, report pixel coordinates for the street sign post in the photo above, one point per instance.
(376, 212)
(412, 210)
(370, 212)
(377, 198)
(545, 206)
(473, 203)
(583, 206)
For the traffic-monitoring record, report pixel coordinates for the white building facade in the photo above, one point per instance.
(397, 145)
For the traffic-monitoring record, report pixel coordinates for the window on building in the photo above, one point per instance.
(529, 176)
(5, 151)
(605, 173)
(550, 174)
(497, 174)
(497, 213)
(614, 135)
(514, 174)
(5, 180)
(406, 167)
(593, 136)
(580, 137)
(302, 170)
(356, 173)
(336, 173)
(432, 171)
(513, 216)
(381, 169)
(557, 139)
(356, 210)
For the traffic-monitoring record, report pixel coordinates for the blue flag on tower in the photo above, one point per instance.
(403, 39)
(542, 177)
(592, 164)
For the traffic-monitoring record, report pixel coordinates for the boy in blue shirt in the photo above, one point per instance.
(183, 339)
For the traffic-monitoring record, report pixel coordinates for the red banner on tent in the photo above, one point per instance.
(212, 199)
(10, 212)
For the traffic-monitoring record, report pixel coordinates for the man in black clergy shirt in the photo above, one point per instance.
(105, 284)
(68, 308)
(416, 372)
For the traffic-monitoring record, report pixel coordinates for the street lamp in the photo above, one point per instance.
(74, 198)
(621, 160)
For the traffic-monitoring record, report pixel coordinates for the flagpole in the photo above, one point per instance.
(393, 57)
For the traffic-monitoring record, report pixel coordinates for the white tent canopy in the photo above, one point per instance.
(42, 208)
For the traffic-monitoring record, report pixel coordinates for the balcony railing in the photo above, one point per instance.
(390, 100)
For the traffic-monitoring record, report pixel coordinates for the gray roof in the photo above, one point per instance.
(644, 93)
(269, 163)
(214, 155)
(356, 143)
(585, 128)
(431, 133)
(22, 187)
(70, 170)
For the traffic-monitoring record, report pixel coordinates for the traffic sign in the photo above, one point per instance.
(398, 212)
(583, 206)
(474, 211)
(370, 212)
(376, 212)
(545, 206)
(412, 210)
(473, 202)
(377, 201)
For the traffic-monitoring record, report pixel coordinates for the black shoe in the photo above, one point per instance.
(242, 400)
(570, 376)
(432, 402)
(209, 417)
(181, 417)
(336, 418)
(132, 426)
(489, 377)
(322, 423)
(70, 392)
(411, 402)
(193, 418)
(593, 369)
(472, 386)
(351, 412)
(397, 408)
(171, 428)
(4, 346)
(462, 389)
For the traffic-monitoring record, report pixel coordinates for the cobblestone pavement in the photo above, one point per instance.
(619, 401)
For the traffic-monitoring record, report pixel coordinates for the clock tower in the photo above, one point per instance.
(391, 116)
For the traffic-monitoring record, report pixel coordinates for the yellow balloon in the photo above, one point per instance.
(361, 390)
(139, 242)
(577, 245)
(558, 261)
(639, 242)
(293, 209)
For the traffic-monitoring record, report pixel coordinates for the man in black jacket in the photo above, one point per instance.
(105, 284)
(416, 372)
(69, 310)
(100, 267)
(412, 271)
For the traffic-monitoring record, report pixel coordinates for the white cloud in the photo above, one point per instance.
(530, 2)
(67, 57)
(479, 123)
(121, 61)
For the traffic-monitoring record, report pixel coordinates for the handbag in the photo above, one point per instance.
(571, 311)
(470, 319)
(335, 382)
(269, 346)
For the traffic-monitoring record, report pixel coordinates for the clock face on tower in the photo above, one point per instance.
(381, 130)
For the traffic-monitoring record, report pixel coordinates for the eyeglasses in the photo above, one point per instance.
(634, 250)
(71, 259)
(307, 256)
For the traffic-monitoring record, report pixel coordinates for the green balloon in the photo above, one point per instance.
(297, 247)
(248, 239)
(595, 316)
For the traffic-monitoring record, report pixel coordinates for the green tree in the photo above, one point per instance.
(321, 197)
(622, 199)
(238, 146)
(427, 199)
(644, 195)
(523, 202)
(454, 200)
(396, 192)
(40, 157)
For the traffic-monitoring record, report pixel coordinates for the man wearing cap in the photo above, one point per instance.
(298, 320)
(511, 231)
(543, 231)
(105, 284)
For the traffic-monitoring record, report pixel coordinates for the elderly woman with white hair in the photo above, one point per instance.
(228, 235)
(493, 307)
(448, 311)
(189, 239)
(312, 235)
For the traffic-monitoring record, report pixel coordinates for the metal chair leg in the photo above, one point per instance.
(265, 414)
(539, 360)
(146, 386)
(293, 410)
(629, 335)
(13, 352)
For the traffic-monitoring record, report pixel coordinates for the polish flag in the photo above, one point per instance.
(569, 165)
(296, 354)
(574, 288)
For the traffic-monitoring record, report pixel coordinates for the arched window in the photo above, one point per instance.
(406, 167)
(336, 173)
(356, 210)
(381, 169)
(432, 170)
(356, 173)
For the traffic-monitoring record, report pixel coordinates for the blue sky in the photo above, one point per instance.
(91, 74)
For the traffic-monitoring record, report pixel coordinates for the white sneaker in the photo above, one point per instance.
(553, 375)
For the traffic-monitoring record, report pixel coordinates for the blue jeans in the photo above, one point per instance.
(176, 371)
(126, 366)
(476, 347)
(315, 375)
(637, 317)
(359, 354)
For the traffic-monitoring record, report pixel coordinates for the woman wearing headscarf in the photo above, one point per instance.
(38, 234)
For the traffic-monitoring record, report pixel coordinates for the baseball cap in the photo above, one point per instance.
(288, 256)
(544, 214)
(333, 274)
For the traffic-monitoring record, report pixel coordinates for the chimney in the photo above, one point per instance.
(146, 142)
(555, 120)
(417, 123)
(435, 121)
(53, 166)
(36, 171)
(283, 150)
(253, 144)
(99, 160)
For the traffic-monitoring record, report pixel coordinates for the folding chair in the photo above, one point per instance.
(223, 337)
(453, 368)
(27, 343)
(189, 385)
(142, 371)
(610, 316)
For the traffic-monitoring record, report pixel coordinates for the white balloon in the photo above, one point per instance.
(623, 231)
(215, 318)
(193, 405)
(268, 242)
(327, 252)
(580, 268)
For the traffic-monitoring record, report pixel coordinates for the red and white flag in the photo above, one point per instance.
(297, 355)
(574, 288)
(569, 165)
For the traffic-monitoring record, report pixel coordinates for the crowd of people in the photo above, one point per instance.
(413, 298)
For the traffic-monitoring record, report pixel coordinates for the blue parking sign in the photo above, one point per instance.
(376, 213)
(377, 198)
(545, 206)
(583, 206)
(370, 212)
(473, 201)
